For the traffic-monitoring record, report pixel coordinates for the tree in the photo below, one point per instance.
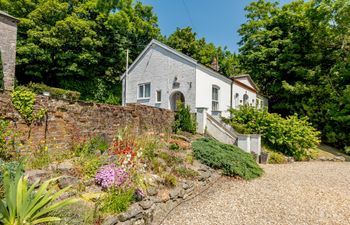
(79, 45)
(299, 56)
(186, 41)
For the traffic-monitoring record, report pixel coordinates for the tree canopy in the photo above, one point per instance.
(79, 45)
(299, 56)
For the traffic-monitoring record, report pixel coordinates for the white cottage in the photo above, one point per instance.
(160, 76)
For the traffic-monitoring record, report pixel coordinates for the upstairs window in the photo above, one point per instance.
(144, 90)
(215, 98)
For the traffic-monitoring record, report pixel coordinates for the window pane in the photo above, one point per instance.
(159, 96)
(141, 91)
(215, 94)
(147, 90)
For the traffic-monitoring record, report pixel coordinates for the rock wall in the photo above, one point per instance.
(69, 122)
(8, 38)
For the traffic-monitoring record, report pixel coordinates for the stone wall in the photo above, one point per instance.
(8, 38)
(69, 122)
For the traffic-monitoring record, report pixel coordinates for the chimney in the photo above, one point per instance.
(215, 64)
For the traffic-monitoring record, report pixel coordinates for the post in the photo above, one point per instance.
(201, 119)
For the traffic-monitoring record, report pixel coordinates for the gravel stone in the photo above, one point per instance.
(297, 193)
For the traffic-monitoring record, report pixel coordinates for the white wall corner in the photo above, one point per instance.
(201, 119)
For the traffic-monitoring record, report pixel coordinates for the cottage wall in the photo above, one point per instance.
(161, 68)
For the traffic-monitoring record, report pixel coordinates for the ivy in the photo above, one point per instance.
(24, 100)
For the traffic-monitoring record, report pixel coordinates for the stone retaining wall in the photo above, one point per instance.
(69, 122)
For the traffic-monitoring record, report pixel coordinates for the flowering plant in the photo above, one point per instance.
(111, 176)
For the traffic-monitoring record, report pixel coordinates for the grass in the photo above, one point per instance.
(232, 160)
(186, 172)
(117, 201)
(169, 179)
(171, 160)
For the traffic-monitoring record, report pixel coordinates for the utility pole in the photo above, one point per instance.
(126, 74)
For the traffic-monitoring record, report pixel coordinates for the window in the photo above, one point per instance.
(215, 99)
(236, 100)
(144, 90)
(158, 96)
(245, 99)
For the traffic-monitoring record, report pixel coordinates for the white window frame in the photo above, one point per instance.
(144, 91)
(215, 101)
(160, 95)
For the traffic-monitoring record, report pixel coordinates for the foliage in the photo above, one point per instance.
(171, 160)
(111, 176)
(292, 136)
(298, 54)
(276, 158)
(186, 172)
(7, 136)
(24, 100)
(148, 146)
(80, 45)
(22, 205)
(11, 168)
(90, 165)
(169, 179)
(39, 157)
(92, 146)
(347, 150)
(1, 75)
(232, 160)
(184, 119)
(55, 92)
(174, 147)
(117, 200)
(186, 41)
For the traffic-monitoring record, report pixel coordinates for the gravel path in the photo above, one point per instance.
(297, 193)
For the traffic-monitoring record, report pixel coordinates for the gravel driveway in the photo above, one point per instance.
(298, 193)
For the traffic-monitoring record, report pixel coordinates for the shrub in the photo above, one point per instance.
(232, 160)
(24, 100)
(97, 144)
(90, 166)
(117, 200)
(186, 172)
(169, 179)
(347, 150)
(184, 119)
(55, 92)
(7, 136)
(276, 158)
(174, 147)
(39, 157)
(292, 136)
(171, 160)
(23, 205)
(148, 145)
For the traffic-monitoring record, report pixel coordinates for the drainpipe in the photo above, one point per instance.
(231, 93)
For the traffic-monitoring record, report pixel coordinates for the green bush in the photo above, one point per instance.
(276, 158)
(171, 160)
(169, 179)
(55, 92)
(291, 136)
(117, 200)
(7, 136)
(232, 160)
(184, 119)
(89, 166)
(347, 150)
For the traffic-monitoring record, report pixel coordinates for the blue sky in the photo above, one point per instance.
(215, 20)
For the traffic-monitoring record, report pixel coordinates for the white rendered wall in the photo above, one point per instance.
(236, 89)
(160, 67)
(204, 82)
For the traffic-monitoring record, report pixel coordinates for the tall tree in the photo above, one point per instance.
(299, 56)
(186, 41)
(79, 45)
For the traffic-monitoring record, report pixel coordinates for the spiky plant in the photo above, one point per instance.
(23, 205)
